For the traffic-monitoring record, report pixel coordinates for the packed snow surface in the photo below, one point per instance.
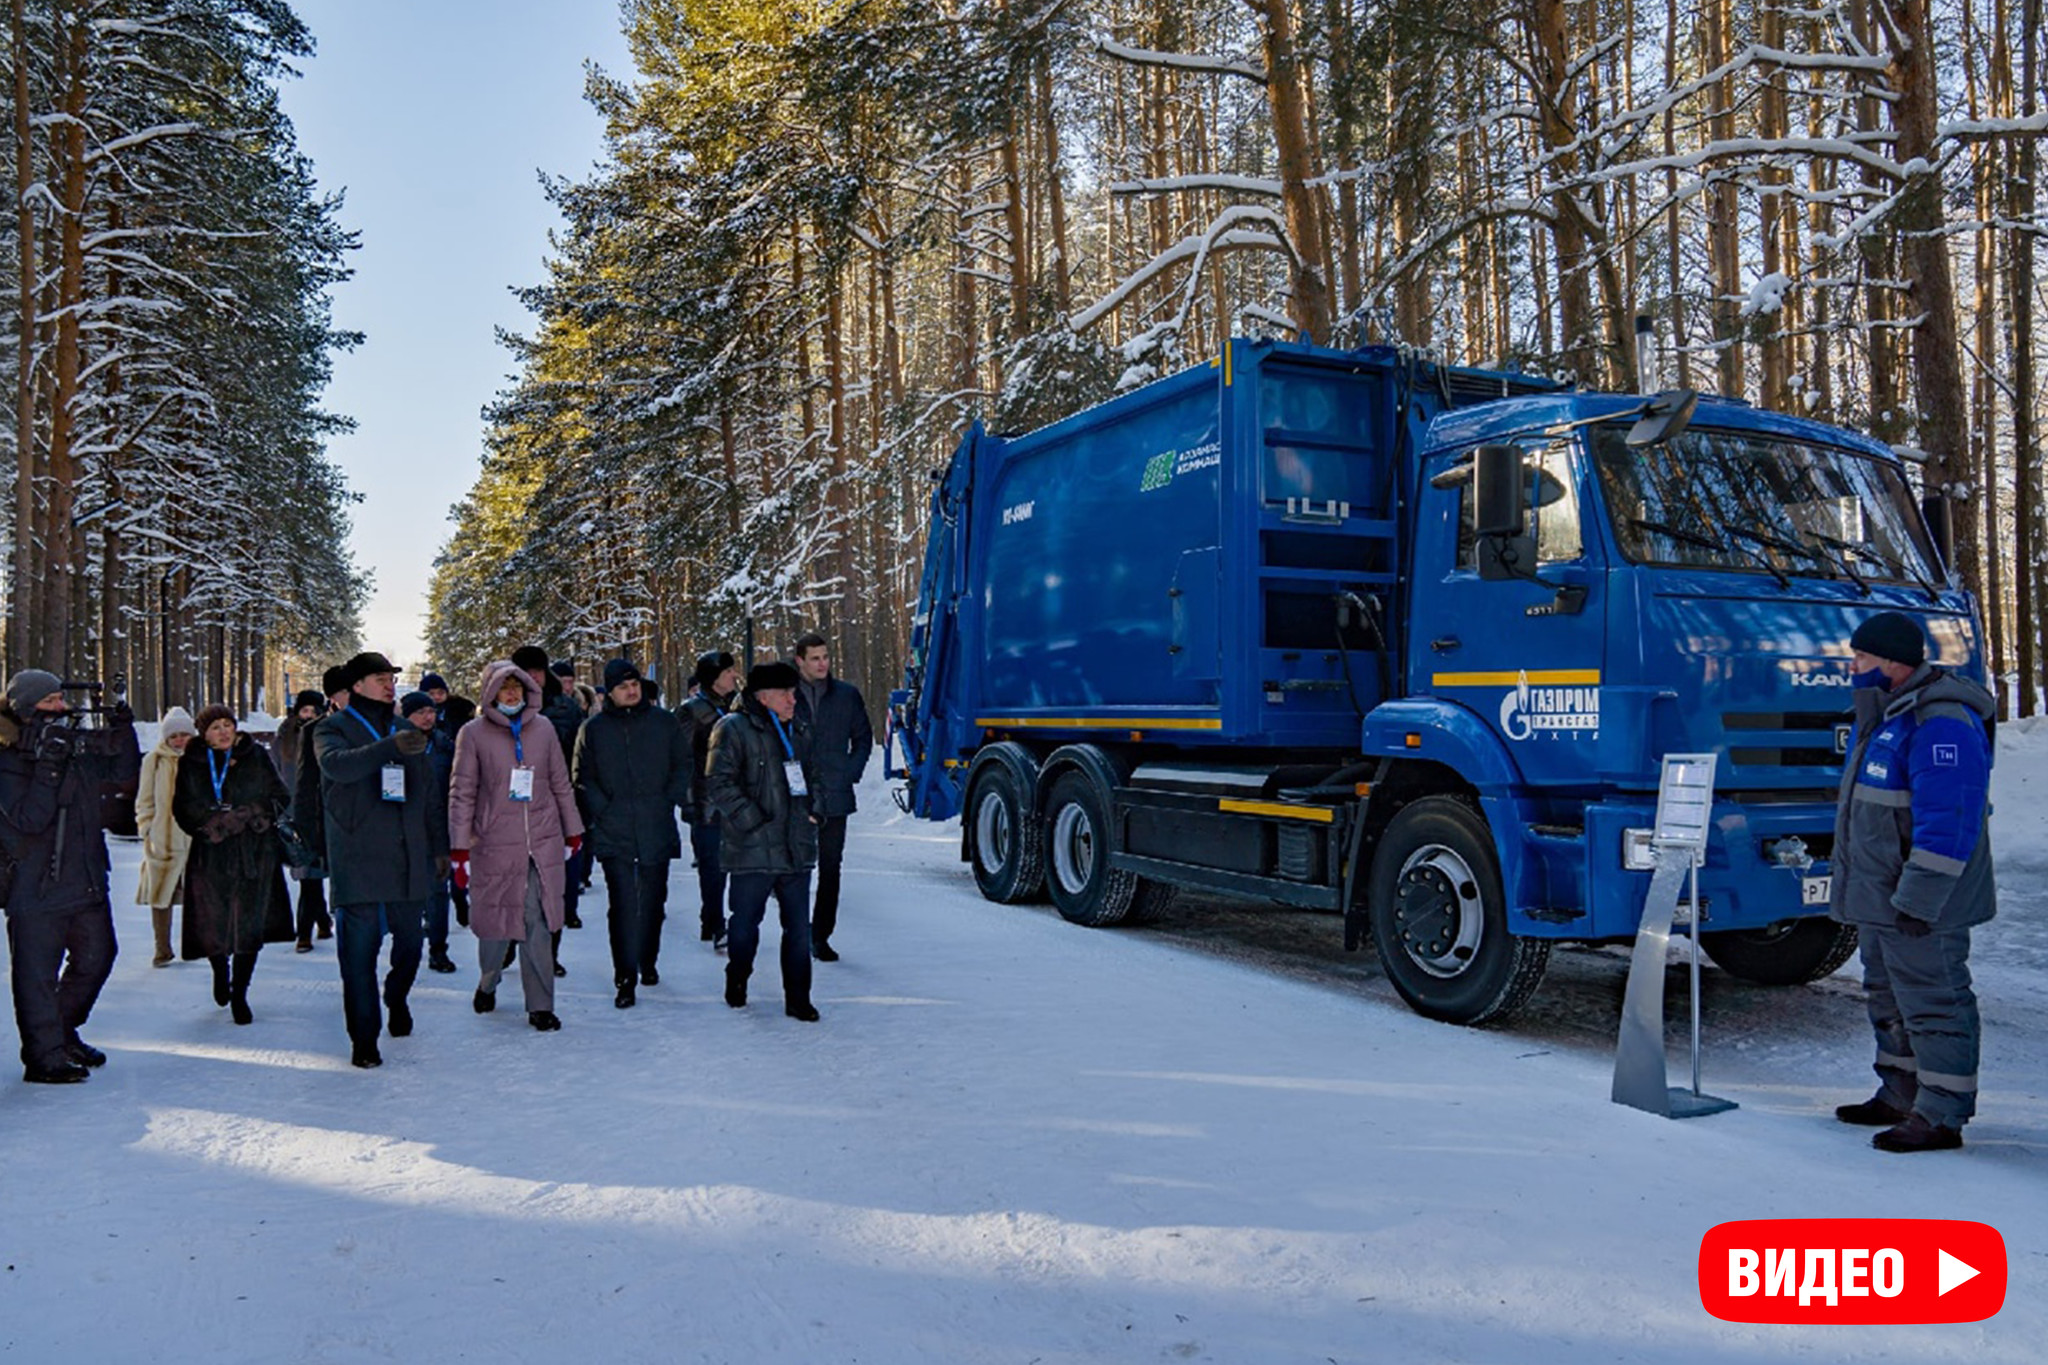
(1010, 1140)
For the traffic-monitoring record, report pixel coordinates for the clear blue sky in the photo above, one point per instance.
(435, 117)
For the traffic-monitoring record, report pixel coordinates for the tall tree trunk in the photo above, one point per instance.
(1288, 101)
(65, 567)
(24, 602)
(2021, 205)
(1919, 220)
(1724, 248)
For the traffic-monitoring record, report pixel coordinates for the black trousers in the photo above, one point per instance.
(313, 908)
(704, 845)
(634, 893)
(360, 930)
(58, 962)
(831, 849)
(748, 900)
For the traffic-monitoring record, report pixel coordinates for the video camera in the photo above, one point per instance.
(87, 728)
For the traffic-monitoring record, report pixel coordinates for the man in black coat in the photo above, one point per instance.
(717, 678)
(842, 741)
(387, 842)
(564, 710)
(632, 771)
(53, 868)
(308, 820)
(768, 837)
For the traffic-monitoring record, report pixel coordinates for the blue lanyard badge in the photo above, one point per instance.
(792, 771)
(219, 773)
(391, 786)
(364, 722)
(522, 776)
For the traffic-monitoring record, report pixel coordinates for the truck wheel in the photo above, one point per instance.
(1077, 872)
(1439, 918)
(1009, 852)
(1791, 952)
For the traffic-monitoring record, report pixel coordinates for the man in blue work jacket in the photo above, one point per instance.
(1912, 872)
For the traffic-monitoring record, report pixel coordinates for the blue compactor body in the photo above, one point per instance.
(1352, 631)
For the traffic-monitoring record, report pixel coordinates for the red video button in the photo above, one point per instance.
(1852, 1270)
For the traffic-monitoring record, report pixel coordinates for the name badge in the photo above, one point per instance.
(522, 784)
(794, 772)
(394, 782)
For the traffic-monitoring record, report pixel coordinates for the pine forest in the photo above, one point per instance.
(175, 517)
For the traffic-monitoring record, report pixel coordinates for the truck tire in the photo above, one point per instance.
(1084, 887)
(1791, 952)
(1439, 918)
(1009, 849)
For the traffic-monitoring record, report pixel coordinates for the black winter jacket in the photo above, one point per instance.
(632, 770)
(235, 898)
(377, 850)
(762, 828)
(698, 714)
(50, 811)
(841, 743)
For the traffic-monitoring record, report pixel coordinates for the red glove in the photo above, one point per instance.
(573, 847)
(458, 866)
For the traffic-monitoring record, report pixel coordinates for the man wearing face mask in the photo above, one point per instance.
(1912, 872)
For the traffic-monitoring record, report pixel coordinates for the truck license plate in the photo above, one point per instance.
(1813, 890)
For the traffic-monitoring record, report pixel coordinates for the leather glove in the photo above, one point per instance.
(456, 864)
(54, 749)
(411, 740)
(218, 826)
(461, 898)
(120, 713)
(1912, 926)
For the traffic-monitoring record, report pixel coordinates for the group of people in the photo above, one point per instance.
(390, 809)
(408, 802)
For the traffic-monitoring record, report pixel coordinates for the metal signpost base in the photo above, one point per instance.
(1639, 1077)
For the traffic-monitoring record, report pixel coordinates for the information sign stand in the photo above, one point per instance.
(1685, 799)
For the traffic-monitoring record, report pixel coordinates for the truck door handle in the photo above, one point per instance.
(1443, 644)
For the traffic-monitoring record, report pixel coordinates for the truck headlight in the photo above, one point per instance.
(1636, 853)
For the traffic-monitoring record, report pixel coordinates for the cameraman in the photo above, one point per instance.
(55, 857)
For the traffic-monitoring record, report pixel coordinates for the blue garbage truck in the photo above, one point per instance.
(1356, 632)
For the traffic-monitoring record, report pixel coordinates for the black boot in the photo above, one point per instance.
(483, 1002)
(221, 989)
(364, 1055)
(801, 1009)
(238, 987)
(437, 960)
(624, 999)
(399, 1021)
(1875, 1112)
(822, 951)
(54, 1073)
(735, 988)
(1918, 1134)
(543, 1020)
(84, 1053)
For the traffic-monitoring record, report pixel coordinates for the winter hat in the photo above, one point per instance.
(30, 686)
(333, 680)
(562, 668)
(772, 676)
(206, 718)
(709, 665)
(363, 665)
(176, 721)
(414, 701)
(619, 671)
(1894, 636)
(309, 698)
(433, 680)
(530, 657)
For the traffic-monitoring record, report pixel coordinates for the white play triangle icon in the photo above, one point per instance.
(1953, 1272)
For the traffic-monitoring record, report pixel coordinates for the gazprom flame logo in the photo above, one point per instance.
(1525, 710)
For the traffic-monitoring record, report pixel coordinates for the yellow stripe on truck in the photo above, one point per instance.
(1544, 677)
(1322, 815)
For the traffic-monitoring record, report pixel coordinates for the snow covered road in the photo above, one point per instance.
(1010, 1140)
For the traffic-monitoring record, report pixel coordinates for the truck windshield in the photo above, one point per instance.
(1762, 504)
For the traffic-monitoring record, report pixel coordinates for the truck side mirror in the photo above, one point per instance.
(1500, 493)
(1663, 418)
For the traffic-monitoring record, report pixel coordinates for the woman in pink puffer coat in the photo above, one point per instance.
(511, 822)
